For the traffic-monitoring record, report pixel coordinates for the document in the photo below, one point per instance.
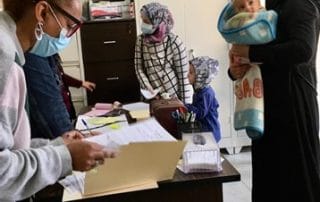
(145, 131)
(148, 154)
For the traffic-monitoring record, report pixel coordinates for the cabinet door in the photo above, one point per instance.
(115, 81)
(108, 41)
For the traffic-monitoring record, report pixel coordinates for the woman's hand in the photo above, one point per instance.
(240, 50)
(238, 71)
(71, 136)
(87, 155)
(239, 62)
(88, 85)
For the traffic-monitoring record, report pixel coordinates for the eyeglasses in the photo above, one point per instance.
(77, 23)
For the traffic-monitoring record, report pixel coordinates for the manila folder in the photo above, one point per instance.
(136, 164)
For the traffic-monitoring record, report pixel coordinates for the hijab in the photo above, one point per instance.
(161, 19)
(206, 69)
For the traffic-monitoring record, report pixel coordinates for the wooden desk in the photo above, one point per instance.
(191, 187)
(206, 187)
(182, 188)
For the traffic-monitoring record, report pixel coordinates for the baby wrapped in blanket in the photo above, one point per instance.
(247, 22)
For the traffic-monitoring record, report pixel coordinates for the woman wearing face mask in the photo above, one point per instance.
(286, 160)
(160, 56)
(44, 82)
(24, 169)
(47, 83)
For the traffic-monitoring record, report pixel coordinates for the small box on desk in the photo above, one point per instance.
(162, 110)
(201, 154)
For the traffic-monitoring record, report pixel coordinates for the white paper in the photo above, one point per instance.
(136, 106)
(74, 183)
(144, 131)
(148, 95)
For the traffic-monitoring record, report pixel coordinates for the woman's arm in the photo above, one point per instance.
(23, 171)
(71, 81)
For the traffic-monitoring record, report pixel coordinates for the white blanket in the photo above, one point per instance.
(249, 112)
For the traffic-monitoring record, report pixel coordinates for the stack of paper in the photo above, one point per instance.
(201, 153)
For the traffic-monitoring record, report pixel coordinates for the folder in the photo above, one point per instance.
(137, 164)
(67, 196)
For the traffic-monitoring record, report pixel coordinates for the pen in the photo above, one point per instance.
(87, 127)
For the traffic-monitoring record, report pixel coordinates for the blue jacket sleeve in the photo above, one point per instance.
(43, 86)
(200, 105)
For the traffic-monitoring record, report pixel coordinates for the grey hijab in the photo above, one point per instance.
(157, 14)
(206, 69)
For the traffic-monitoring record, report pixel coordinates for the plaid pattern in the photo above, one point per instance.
(165, 65)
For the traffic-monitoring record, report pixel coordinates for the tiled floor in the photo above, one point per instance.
(239, 191)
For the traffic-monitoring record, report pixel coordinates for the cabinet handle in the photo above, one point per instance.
(112, 78)
(109, 42)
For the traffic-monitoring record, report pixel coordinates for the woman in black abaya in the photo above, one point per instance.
(286, 160)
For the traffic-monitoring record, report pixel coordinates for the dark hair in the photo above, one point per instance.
(18, 8)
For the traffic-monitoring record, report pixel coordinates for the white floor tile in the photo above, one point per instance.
(239, 191)
(236, 192)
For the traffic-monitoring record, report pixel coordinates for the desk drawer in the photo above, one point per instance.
(115, 81)
(108, 41)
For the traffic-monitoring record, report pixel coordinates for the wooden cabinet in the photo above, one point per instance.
(108, 60)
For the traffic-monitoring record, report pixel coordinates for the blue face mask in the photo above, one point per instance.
(147, 28)
(48, 45)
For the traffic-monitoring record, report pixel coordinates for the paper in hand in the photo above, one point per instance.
(148, 95)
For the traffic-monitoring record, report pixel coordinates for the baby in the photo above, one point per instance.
(244, 6)
(250, 6)
(246, 22)
(205, 105)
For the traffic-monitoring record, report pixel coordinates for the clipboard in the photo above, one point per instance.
(136, 164)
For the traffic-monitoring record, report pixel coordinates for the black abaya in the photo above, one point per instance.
(286, 161)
